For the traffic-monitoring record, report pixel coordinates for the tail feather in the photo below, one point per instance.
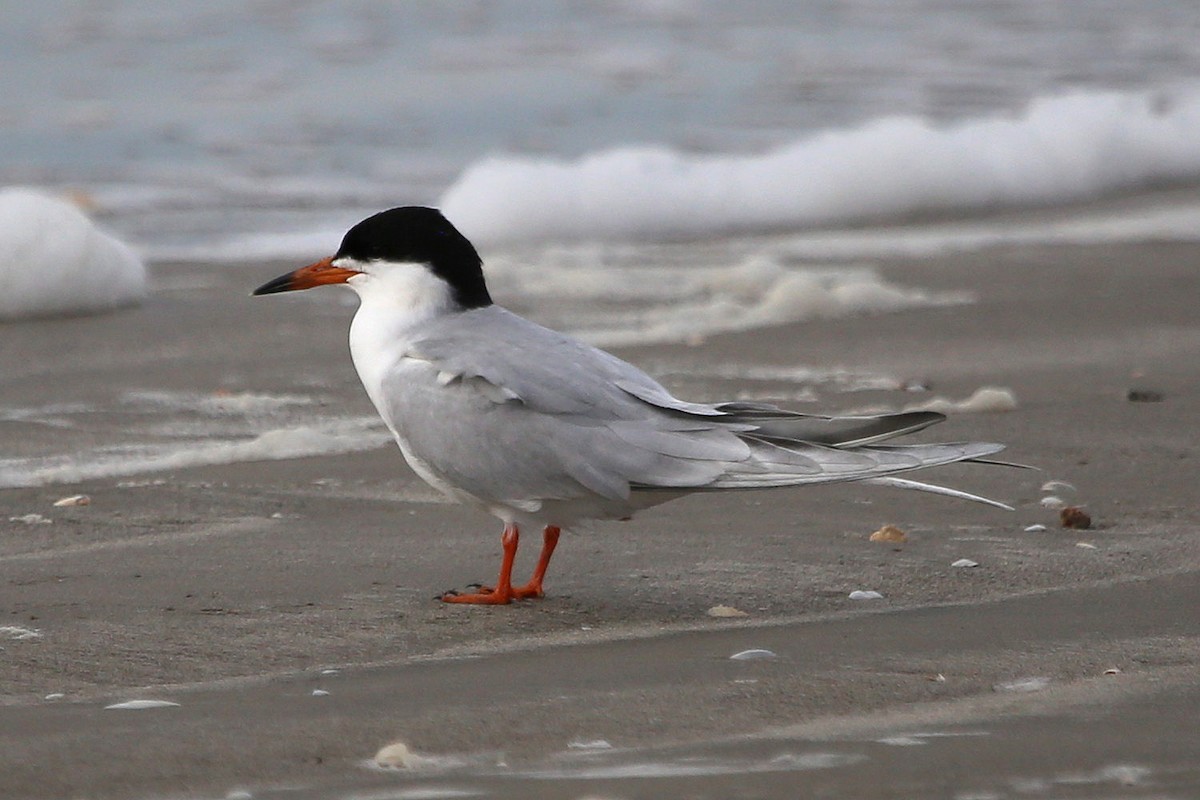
(933, 488)
(789, 448)
(841, 432)
(773, 463)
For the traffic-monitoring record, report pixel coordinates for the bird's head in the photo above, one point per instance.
(411, 254)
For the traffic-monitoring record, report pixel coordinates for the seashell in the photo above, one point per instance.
(725, 611)
(754, 655)
(73, 500)
(889, 533)
(965, 562)
(138, 705)
(396, 756)
(865, 594)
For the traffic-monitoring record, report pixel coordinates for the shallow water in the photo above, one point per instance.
(189, 127)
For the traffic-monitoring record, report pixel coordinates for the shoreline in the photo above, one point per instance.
(196, 581)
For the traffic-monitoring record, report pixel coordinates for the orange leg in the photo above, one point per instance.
(534, 587)
(503, 593)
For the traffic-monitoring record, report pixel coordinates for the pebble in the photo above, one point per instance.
(1141, 395)
(1075, 517)
(865, 594)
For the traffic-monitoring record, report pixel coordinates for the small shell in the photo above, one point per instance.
(725, 611)
(1086, 545)
(754, 655)
(396, 756)
(1038, 528)
(865, 594)
(889, 533)
(1112, 671)
(965, 562)
(590, 744)
(1050, 487)
(73, 500)
(1075, 517)
(138, 705)
(320, 693)
(1053, 501)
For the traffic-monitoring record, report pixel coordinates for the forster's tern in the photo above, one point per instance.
(540, 429)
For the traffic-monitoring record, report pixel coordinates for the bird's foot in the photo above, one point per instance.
(485, 596)
(530, 591)
(488, 596)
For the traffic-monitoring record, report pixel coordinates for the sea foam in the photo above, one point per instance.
(54, 260)
(1057, 149)
(329, 438)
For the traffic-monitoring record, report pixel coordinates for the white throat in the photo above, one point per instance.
(396, 299)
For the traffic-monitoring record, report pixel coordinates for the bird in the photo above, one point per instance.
(545, 431)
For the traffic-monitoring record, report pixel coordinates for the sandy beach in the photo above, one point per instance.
(1066, 664)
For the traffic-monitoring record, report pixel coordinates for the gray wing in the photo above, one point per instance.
(552, 413)
(562, 418)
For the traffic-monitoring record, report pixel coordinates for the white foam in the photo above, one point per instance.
(1059, 148)
(1172, 222)
(984, 400)
(54, 260)
(219, 405)
(695, 767)
(19, 633)
(685, 296)
(328, 438)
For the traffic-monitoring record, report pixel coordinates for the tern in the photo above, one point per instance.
(545, 431)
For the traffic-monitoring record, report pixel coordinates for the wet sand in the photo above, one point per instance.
(233, 589)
